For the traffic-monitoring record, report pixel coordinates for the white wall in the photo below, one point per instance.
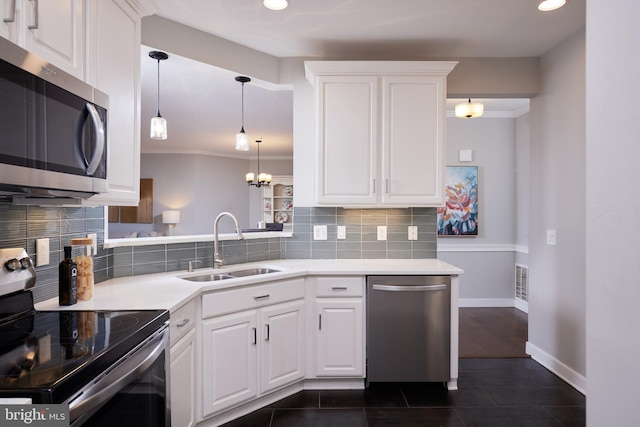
(523, 132)
(612, 213)
(557, 201)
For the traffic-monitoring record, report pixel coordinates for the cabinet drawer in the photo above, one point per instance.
(339, 286)
(182, 321)
(229, 301)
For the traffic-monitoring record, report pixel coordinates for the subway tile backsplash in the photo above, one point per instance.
(20, 226)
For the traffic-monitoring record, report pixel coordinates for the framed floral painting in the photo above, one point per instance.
(459, 215)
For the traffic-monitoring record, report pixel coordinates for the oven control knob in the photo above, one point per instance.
(25, 263)
(13, 264)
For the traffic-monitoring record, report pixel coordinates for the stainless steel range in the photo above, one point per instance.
(110, 367)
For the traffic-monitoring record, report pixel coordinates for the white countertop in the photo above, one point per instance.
(170, 291)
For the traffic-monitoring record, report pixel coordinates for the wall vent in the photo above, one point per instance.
(522, 282)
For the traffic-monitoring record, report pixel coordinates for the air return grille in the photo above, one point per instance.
(522, 282)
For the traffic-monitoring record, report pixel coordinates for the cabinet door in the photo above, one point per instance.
(347, 140)
(413, 123)
(183, 396)
(115, 70)
(282, 354)
(55, 30)
(229, 361)
(339, 342)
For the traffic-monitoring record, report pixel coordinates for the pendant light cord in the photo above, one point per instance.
(242, 109)
(158, 103)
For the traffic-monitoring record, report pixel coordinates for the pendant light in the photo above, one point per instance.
(263, 179)
(158, 123)
(469, 110)
(242, 139)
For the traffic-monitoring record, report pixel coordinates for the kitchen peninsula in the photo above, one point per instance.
(233, 333)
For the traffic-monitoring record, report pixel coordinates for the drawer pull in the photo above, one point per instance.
(259, 297)
(182, 323)
(338, 288)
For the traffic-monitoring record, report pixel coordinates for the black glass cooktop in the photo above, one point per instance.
(48, 355)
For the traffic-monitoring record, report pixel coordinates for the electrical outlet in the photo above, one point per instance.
(342, 232)
(412, 232)
(382, 232)
(42, 252)
(551, 237)
(319, 232)
(94, 236)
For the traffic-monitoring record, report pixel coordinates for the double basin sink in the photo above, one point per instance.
(210, 277)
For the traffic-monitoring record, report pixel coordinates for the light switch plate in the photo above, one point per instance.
(42, 252)
(551, 237)
(382, 232)
(465, 155)
(342, 232)
(412, 232)
(319, 232)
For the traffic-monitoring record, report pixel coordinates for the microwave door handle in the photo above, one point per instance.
(99, 134)
(12, 18)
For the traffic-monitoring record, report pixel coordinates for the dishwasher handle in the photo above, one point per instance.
(409, 288)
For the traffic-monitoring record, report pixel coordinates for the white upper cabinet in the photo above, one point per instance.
(52, 29)
(380, 132)
(114, 68)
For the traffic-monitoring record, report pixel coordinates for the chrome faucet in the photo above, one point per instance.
(217, 259)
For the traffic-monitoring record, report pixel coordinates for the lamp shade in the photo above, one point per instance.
(242, 141)
(158, 127)
(171, 217)
(469, 109)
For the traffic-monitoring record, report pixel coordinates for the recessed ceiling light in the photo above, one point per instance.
(548, 5)
(275, 4)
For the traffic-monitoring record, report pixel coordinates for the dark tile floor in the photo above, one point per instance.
(493, 392)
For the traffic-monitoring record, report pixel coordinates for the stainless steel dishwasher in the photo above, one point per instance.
(408, 328)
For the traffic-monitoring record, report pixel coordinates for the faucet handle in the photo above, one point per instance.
(191, 263)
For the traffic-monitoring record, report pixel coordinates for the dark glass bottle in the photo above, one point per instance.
(67, 279)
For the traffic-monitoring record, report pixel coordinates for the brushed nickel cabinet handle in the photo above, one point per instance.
(34, 26)
(12, 18)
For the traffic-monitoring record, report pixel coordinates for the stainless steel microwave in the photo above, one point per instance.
(53, 130)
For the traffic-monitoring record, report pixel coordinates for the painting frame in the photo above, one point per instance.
(459, 215)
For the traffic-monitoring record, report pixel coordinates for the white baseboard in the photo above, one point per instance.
(486, 302)
(522, 305)
(573, 378)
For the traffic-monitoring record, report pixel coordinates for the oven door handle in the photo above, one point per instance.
(84, 404)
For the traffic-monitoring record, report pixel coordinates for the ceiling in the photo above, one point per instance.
(202, 103)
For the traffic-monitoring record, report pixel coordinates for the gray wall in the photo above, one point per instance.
(201, 186)
(489, 258)
(557, 201)
(522, 188)
(612, 210)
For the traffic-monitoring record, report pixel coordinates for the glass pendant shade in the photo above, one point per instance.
(275, 4)
(469, 109)
(158, 127)
(242, 141)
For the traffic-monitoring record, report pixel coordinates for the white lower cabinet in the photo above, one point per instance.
(183, 374)
(339, 339)
(254, 350)
(182, 337)
(339, 347)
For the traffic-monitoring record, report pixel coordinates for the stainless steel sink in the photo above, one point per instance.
(208, 277)
(252, 272)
